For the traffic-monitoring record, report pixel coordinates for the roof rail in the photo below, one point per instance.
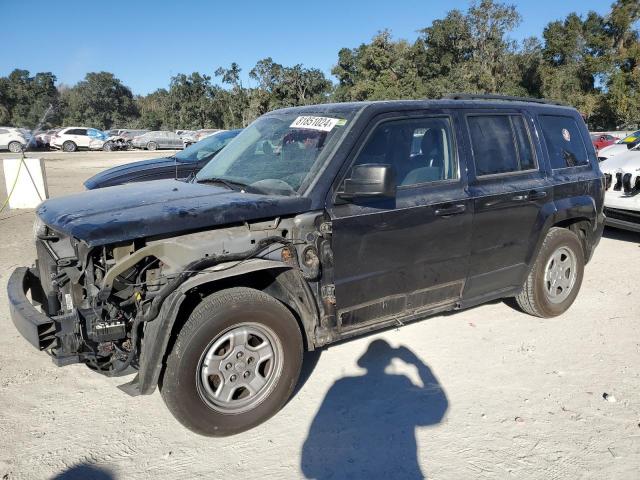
(503, 98)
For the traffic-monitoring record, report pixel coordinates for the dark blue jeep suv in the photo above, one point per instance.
(313, 225)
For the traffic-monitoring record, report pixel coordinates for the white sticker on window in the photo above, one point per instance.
(566, 135)
(323, 124)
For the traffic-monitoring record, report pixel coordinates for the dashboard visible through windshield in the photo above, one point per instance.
(277, 152)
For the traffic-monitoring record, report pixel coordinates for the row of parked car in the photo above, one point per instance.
(604, 140)
(70, 139)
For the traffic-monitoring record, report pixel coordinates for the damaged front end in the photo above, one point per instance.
(89, 304)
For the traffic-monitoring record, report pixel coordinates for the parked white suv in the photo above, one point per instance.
(71, 139)
(12, 139)
(622, 195)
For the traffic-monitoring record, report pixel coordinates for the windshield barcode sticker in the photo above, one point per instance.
(323, 124)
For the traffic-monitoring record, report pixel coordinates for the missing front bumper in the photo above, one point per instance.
(36, 327)
(40, 330)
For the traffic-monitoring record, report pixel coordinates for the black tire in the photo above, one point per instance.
(107, 147)
(216, 316)
(535, 298)
(69, 146)
(15, 147)
(152, 146)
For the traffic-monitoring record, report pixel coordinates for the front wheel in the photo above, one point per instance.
(69, 146)
(556, 276)
(107, 147)
(15, 147)
(234, 363)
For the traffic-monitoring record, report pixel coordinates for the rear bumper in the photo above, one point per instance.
(36, 327)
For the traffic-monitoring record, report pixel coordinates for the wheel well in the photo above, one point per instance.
(581, 227)
(259, 280)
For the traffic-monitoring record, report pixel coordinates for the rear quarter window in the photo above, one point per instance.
(501, 144)
(564, 141)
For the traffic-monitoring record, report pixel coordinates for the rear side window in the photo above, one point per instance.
(501, 144)
(564, 142)
(3, 131)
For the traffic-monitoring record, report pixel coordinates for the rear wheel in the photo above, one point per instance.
(556, 276)
(69, 146)
(152, 146)
(234, 363)
(15, 147)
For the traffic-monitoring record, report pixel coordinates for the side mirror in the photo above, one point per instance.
(370, 180)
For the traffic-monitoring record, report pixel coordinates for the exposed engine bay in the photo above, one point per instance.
(101, 297)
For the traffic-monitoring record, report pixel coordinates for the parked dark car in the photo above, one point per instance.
(183, 164)
(314, 225)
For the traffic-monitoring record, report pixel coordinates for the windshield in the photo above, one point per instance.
(277, 152)
(207, 148)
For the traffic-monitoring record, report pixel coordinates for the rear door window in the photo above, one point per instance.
(564, 141)
(501, 144)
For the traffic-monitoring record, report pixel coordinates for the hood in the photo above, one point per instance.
(611, 150)
(628, 161)
(114, 175)
(162, 207)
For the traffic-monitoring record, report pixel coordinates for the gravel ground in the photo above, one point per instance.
(484, 393)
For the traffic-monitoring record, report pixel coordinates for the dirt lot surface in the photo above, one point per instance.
(506, 395)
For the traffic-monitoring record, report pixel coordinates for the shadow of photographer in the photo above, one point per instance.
(365, 427)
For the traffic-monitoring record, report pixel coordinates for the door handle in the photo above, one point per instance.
(532, 195)
(536, 194)
(453, 210)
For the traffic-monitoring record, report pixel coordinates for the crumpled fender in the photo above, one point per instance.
(289, 287)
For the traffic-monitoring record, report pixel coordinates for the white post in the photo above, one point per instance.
(26, 182)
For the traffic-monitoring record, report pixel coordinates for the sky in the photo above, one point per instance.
(145, 42)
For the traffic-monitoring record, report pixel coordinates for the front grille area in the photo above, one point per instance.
(624, 215)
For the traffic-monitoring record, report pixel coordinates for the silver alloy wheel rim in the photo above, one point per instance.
(560, 275)
(15, 147)
(239, 368)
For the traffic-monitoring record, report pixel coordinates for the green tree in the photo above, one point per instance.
(280, 86)
(234, 102)
(25, 99)
(190, 102)
(382, 69)
(100, 101)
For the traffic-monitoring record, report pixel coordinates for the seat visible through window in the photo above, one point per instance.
(419, 150)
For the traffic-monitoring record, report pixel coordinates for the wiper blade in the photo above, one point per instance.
(230, 184)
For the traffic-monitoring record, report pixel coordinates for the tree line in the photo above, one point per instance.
(591, 62)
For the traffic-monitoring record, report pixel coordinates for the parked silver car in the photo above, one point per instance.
(158, 139)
